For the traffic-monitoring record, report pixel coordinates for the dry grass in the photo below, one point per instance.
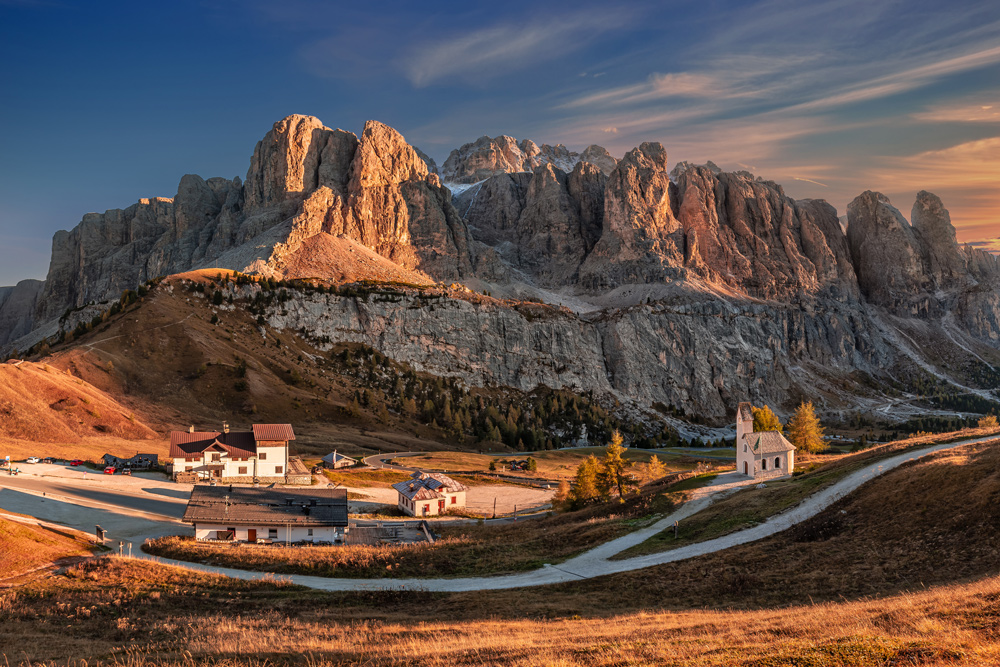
(361, 478)
(26, 546)
(129, 613)
(866, 562)
(556, 465)
(46, 411)
(463, 550)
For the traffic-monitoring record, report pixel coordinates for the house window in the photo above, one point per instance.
(262, 456)
(309, 532)
(777, 463)
(216, 457)
(453, 500)
(243, 470)
(277, 470)
(272, 533)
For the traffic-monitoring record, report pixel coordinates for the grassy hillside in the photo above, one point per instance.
(24, 547)
(193, 350)
(45, 411)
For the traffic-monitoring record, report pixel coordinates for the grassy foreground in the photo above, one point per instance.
(901, 572)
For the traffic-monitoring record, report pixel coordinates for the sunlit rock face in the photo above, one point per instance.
(486, 157)
(691, 287)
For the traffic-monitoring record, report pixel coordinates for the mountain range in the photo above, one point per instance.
(688, 288)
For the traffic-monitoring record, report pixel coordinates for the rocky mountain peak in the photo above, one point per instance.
(485, 157)
(932, 224)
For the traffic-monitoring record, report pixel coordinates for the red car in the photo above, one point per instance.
(76, 462)
(110, 470)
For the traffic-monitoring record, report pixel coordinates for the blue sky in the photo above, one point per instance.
(107, 102)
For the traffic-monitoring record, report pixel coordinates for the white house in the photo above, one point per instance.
(761, 454)
(247, 514)
(429, 494)
(259, 455)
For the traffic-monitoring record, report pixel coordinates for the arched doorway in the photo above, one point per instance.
(745, 468)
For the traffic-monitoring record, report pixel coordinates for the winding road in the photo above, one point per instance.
(596, 562)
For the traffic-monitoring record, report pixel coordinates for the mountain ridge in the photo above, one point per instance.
(648, 258)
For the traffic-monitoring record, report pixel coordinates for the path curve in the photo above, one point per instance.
(595, 563)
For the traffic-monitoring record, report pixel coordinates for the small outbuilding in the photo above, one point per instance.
(335, 460)
(429, 494)
(254, 515)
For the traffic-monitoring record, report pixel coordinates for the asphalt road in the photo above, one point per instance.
(79, 491)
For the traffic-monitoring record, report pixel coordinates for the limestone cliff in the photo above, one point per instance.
(486, 157)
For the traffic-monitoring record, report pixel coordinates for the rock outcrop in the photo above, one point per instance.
(487, 157)
(17, 309)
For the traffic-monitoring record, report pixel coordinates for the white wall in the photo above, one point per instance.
(284, 533)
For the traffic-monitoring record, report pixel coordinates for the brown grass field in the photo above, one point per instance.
(555, 465)
(26, 546)
(463, 550)
(902, 572)
(45, 411)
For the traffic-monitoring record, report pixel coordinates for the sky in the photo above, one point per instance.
(104, 103)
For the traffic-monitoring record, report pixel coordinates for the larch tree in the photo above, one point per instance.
(804, 429)
(614, 468)
(586, 489)
(764, 419)
(655, 469)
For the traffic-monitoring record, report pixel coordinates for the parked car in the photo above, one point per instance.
(76, 462)
(32, 459)
(127, 471)
(48, 459)
(110, 470)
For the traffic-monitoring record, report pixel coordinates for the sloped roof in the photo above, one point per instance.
(281, 432)
(334, 457)
(238, 444)
(427, 486)
(256, 506)
(768, 442)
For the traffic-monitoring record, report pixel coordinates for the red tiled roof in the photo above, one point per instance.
(274, 432)
(238, 444)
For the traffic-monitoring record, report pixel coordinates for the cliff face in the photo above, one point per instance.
(304, 179)
(703, 355)
(486, 157)
(17, 305)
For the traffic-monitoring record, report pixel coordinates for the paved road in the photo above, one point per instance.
(593, 563)
(150, 502)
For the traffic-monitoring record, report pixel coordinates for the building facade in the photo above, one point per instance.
(257, 515)
(259, 455)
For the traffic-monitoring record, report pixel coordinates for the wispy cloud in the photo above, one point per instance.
(505, 47)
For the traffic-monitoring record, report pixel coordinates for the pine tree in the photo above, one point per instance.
(764, 419)
(804, 429)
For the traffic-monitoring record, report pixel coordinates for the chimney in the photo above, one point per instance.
(190, 429)
(305, 510)
(225, 427)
